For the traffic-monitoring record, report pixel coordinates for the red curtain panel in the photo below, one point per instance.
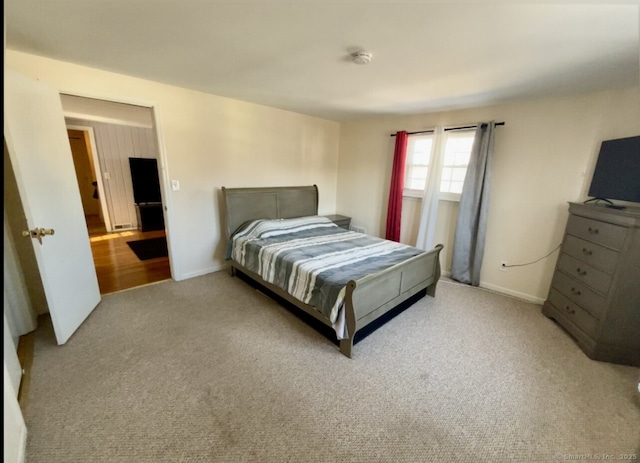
(394, 211)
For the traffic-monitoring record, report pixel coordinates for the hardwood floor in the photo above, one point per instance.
(117, 266)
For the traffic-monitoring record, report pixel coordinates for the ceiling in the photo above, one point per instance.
(296, 55)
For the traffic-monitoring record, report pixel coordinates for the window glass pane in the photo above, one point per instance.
(416, 178)
(421, 157)
(456, 187)
(418, 159)
(461, 158)
(420, 151)
(458, 174)
(419, 172)
(456, 158)
(458, 148)
(423, 144)
(416, 184)
(449, 157)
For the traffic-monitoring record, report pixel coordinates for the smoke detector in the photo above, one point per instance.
(362, 57)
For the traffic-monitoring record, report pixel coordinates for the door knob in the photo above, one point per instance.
(38, 233)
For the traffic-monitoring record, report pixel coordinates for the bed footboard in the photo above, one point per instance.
(371, 297)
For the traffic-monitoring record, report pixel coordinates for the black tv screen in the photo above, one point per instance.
(146, 183)
(617, 172)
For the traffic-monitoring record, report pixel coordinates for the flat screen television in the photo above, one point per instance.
(617, 172)
(146, 183)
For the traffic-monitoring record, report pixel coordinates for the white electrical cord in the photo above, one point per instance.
(533, 262)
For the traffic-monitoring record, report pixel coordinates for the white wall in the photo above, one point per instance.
(209, 142)
(11, 360)
(544, 157)
(18, 305)
(15, 431)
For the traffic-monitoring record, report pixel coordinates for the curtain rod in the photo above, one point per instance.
(447, 129)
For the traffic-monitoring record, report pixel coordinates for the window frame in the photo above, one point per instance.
(439, 137)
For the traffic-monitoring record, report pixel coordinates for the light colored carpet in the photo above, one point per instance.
(209, 370)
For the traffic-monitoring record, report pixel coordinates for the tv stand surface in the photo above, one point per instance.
(603, 203)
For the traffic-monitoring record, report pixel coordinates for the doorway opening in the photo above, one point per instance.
(127, 251)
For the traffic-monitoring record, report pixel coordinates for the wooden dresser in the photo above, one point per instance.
(595, 292)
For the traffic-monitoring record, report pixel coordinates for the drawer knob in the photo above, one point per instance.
(581, 272)
(587, 252)
(593, 231)
(575, 292)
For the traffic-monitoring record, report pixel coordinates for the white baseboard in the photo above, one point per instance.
(505, 291)
(199, 273)
(15, 429)
(509, 292)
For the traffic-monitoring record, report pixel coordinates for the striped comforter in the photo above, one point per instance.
(313, 259)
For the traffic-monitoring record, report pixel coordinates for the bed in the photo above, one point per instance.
(276, 238)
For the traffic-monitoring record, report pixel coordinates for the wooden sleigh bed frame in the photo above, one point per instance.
(366, 299)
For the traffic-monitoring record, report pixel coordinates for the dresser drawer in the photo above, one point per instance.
(591, 253)
(591, 276)
(596, 231)
(579, 293)
(574, 313)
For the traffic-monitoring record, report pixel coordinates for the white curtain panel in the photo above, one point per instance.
(429, 211)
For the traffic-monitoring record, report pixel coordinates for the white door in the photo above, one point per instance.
(36, 137)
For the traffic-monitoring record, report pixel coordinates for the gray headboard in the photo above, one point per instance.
(243, 204)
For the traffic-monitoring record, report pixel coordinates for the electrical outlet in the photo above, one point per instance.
(503, 266)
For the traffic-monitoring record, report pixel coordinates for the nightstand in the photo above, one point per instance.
(340, 220)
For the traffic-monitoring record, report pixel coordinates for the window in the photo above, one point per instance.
(420, 155)
(456, 159)
(419, 149)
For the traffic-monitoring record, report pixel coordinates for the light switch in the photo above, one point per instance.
(107, 176)
(175, 185)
